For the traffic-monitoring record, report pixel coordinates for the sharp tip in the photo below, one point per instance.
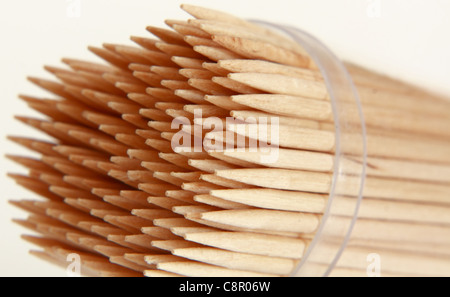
(34, 79)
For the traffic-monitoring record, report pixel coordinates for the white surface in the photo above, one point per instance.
(408, 39)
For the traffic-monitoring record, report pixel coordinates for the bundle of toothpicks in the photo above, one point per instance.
(208, 149)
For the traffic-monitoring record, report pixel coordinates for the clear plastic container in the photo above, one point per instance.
(348, 180)
(388, 212)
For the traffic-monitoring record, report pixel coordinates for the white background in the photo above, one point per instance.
(408, 39)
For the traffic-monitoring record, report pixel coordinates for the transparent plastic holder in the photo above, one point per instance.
(346, 192)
